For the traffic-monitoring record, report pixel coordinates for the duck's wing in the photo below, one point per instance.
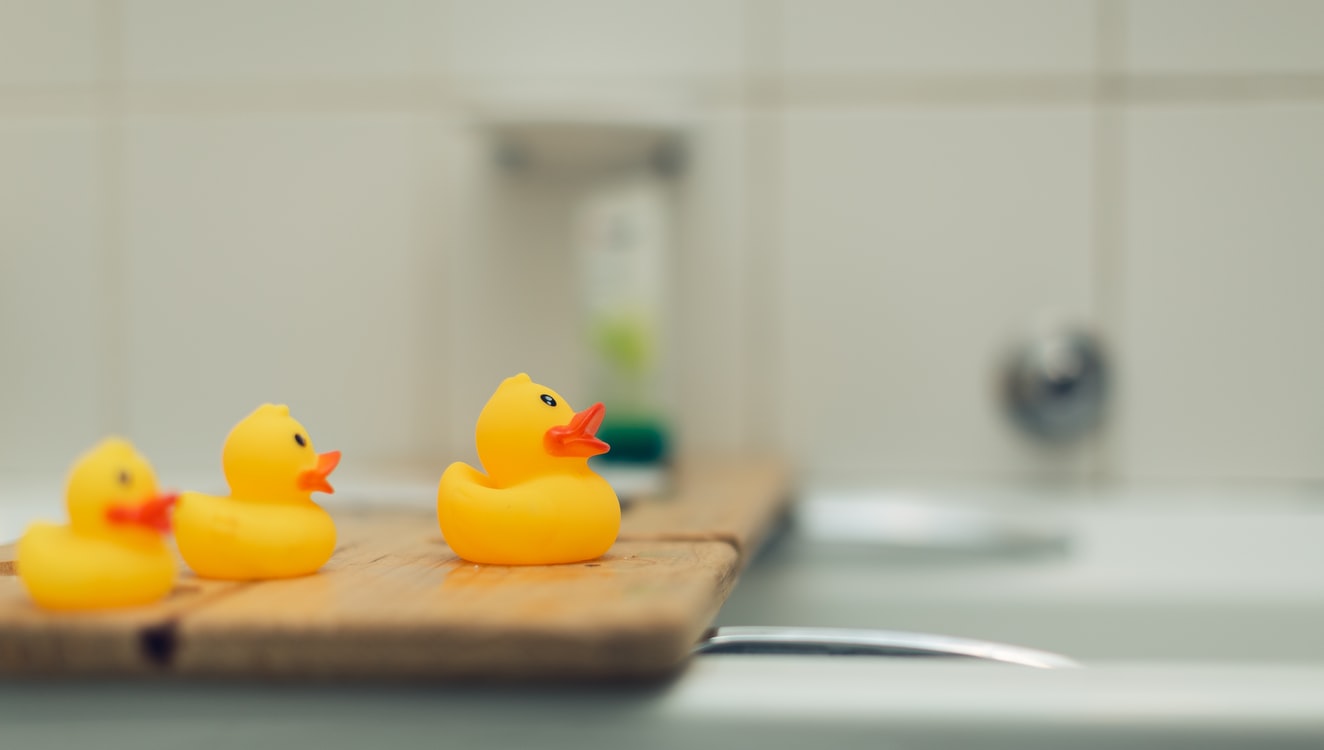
(215, 514)
(36, 547)
(229, 524)
(517, 525)
(461, 475)
(205, 527)
(463, 487)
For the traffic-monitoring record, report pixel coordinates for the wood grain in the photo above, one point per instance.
(405, 606)
(394, 602)
(117, 642)
(732, 501)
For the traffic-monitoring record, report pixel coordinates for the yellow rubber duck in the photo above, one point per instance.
(112, 553)
(539, 503)
(268, 527)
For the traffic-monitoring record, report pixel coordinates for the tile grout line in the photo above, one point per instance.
(827, 92)
(421, 352)
(430, 408)
(460, 224)
(1107, 154)
(114, 322)
(762, 104)
(1097, 442)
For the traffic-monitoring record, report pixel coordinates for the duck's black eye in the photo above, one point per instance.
(548, 400)
(298, 438)
(125, 478)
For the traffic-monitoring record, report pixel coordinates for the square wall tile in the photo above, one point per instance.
(942, 36)
(1224, 36)
(916, 244)
(1221, 344)
(49, 42)
(274, 259)
(195, 41)
(52, 294)
(595, 38)
(711, 340)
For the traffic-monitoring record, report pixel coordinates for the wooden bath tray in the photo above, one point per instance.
(394, 602)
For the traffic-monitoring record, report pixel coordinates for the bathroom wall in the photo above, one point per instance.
(205, 205)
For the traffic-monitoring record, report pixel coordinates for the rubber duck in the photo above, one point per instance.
(113, 552)
(539, 502)
(268, 526)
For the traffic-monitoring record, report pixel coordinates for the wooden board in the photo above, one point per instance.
(735, 502)
(394, 602)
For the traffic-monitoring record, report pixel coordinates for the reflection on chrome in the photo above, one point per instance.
(852, 642)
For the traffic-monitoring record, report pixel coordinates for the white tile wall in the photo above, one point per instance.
(595, 38)
(1225, 36)
(851, 264)
(1224, 258)
(49, 42)
(272, 258)
(928, 36)
(259, 41)
(51, 293)
(917, 243)
(711, 337)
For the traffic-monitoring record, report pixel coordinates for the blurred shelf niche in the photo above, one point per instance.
(583, 194)
(586, 135)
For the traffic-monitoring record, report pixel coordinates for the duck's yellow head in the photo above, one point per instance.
(269, 457)
(527, 429)
(112, 488)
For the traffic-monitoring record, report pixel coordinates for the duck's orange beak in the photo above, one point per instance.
(577, 439)
(314, 479)
(153, 513)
